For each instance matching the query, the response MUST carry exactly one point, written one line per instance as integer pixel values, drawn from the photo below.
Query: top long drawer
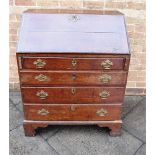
(66, 63)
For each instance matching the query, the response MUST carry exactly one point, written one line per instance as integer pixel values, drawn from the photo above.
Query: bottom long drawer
(72, 112)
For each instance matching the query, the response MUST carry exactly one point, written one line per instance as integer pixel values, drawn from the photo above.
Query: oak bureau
(73, 68)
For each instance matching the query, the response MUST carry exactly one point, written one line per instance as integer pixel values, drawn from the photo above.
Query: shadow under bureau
(73, 68)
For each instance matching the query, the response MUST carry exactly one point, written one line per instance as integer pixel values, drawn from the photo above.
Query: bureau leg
(29, 130)
(115, 129)
(30, 127)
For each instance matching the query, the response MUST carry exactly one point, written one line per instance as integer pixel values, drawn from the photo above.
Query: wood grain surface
(73, 78)
(76, 33)
(80, 112)
(65, 95)
(64, 63)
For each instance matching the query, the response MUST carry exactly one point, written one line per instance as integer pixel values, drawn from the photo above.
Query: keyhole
(73, 76)
(72, 108)
(73, 91)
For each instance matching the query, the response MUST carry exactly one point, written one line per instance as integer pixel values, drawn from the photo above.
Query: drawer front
(73, 95)
(73, 78)
(72, 112)
(61, 63)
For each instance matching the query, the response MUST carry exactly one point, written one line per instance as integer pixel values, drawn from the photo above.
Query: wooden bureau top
(55, 31)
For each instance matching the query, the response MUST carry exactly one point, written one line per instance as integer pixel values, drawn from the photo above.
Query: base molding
(30, 126)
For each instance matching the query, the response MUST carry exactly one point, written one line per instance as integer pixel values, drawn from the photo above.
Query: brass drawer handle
(102, 112)
(74, 18)
(42, 94)
(107, 64)
(39, 63)
(43, 112)
(73, 91)
(105, 78)
(74, 62)
(104, 94)
(41, 77)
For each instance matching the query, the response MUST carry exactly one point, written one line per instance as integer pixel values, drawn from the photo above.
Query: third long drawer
(73, 95)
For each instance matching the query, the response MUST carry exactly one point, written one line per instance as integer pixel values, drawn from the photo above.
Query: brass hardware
(73, 76)
(20, 61)
(41, 77)
(42, 94)
(73, 91)
(39, 63)
(74, 62)
(102, 112)
(126, 63)
(107, 64)
(43, 112)
(104, 94)
(105, 78)
(72, 108)
(74, 18)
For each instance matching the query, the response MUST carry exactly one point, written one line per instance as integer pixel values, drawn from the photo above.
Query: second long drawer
(73, 95)
(87, 78)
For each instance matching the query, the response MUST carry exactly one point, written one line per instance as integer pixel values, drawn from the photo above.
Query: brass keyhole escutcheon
(72, 107)
(39, 63)
(105, 78)
(104, 94)
(107, 64)
(42, 94)
(74, 62)
(43, 112)
(102, 112)
(73, 76)
(73, 91)
(41, 77)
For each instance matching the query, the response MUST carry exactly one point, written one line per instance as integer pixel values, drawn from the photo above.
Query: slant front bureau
(73, 68)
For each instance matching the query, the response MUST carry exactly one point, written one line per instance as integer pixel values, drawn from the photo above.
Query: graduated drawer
(89, 78)
(72, 112)
(73, 95)
(64, 63)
